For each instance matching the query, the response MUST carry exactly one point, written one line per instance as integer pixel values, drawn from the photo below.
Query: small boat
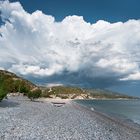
(58, 104)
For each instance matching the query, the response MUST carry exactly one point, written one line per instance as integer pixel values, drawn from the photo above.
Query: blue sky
(91, 10)
(87, 43)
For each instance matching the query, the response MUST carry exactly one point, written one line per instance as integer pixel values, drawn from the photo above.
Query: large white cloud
(36, 44)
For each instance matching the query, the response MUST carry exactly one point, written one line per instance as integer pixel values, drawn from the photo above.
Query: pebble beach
(21, 119)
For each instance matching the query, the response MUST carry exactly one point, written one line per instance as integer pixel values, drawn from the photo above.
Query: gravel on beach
(21, 119)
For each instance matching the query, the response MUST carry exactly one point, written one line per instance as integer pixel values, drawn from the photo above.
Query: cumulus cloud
(134, 76)
(35, 44)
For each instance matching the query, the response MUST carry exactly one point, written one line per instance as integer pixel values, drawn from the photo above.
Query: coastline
(22, 119)
(123, 121)
(127, 123)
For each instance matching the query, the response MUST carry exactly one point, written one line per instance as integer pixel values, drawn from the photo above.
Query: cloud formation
(35, 44)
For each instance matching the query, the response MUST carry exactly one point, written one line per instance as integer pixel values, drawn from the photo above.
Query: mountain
(99, 93)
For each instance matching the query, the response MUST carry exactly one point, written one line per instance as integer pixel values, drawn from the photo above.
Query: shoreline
(23, 119)
(127, 123)
(124, 122)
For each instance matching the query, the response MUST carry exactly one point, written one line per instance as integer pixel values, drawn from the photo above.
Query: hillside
(11, 83)
(79, 93)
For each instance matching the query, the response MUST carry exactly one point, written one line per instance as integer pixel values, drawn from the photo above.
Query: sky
(86, 43)
(91, 10)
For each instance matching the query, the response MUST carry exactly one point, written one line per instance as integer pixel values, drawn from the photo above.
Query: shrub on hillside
(34, 94)
(3, 94)
(45, 93)
(24, 89)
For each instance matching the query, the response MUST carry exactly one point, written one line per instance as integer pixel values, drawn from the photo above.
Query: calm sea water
(124, 109)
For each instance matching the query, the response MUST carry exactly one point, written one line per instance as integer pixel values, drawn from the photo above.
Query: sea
(128, 110)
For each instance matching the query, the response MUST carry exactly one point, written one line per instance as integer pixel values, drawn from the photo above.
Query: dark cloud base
(75, 79)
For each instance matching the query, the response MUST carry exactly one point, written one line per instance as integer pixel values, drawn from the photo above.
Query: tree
(24, 88)
(34, 94)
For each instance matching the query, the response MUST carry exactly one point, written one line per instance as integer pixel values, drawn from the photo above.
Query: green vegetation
(3, 94)
(10, 83)
(34, 94)
(66, 90)
(61, 92)
(45, 93)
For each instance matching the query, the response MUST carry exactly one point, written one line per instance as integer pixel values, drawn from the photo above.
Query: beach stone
(21, 119)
